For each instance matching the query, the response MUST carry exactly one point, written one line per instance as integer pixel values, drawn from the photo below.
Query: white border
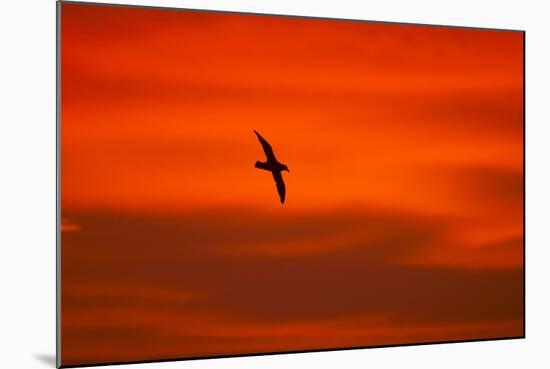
(27, 202)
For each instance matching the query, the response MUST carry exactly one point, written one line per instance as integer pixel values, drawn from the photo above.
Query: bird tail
(261, 165)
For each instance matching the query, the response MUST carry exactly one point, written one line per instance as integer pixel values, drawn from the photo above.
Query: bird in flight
(273, 166)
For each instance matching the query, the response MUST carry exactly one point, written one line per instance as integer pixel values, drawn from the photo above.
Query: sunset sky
(403, 221)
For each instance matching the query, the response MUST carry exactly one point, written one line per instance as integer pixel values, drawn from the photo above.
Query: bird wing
(266, 146)
(278, 177)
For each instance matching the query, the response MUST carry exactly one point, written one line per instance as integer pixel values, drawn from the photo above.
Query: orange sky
(404, 214)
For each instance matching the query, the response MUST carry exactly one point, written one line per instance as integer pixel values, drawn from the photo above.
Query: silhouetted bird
(273, 166)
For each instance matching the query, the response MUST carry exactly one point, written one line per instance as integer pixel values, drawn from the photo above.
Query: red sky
(404, 214)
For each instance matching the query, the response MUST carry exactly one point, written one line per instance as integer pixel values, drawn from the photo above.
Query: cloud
(68, 226)
(229, 280)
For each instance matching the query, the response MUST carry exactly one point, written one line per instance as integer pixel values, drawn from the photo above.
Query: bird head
(286, 168)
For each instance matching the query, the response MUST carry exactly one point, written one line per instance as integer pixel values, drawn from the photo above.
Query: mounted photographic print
(241, 184)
